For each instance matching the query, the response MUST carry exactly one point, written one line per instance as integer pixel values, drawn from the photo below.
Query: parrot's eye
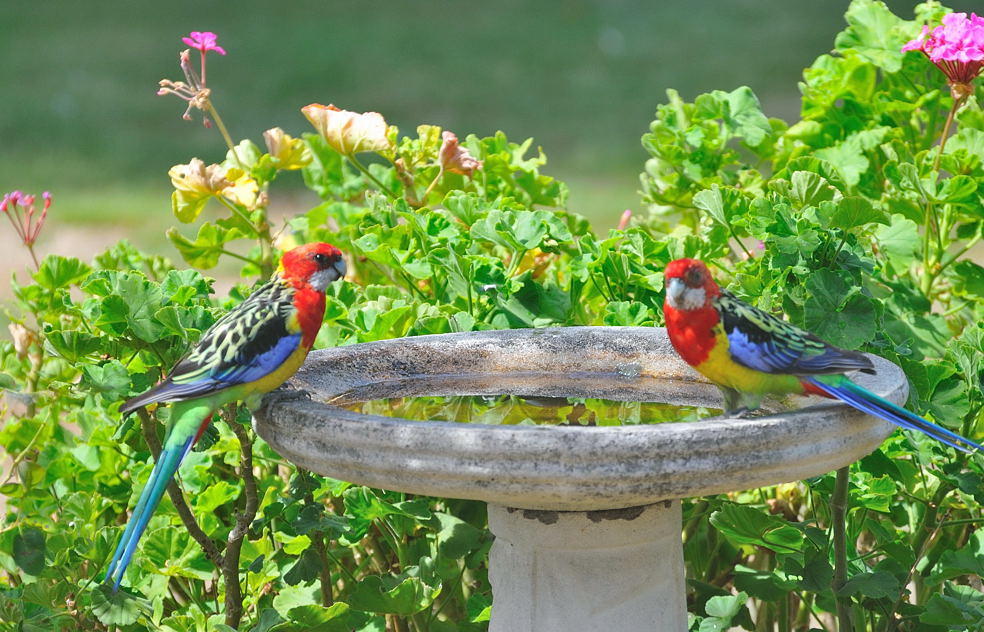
(322, 260)
(694, 277)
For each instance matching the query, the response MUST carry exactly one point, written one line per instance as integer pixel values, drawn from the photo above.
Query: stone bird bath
(586, 520)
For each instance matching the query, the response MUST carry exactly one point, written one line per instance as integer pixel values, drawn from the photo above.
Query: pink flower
(957, 49)
(194, 89)
(19, 209)
(203, 41)
(455, 158)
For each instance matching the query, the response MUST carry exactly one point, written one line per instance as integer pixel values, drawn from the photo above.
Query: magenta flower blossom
(194, 89)
(957, 49)
(203, 41)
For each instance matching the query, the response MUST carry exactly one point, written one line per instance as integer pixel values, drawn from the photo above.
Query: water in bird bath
(622, 398)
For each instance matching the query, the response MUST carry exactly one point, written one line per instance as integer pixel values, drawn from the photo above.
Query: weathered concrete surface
(619, 570)
(557, 468)
(588, 549)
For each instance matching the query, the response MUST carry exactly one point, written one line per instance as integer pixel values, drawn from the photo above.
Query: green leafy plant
(856, 221)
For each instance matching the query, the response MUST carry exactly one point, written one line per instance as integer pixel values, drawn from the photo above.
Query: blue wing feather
(262, 364)
(760, 341)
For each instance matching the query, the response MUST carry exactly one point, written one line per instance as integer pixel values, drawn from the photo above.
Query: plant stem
(241, 258)
(946, 132)
(230, 566)
(929, 220)
(23, 453)
(838, 518)
(379, 185)
(225, 133)
(430, 187)
(318, 543)
(34, 257)
(324, 573)
(923, 534)
(970, 244)
(734, 235)
(237, 211)
(263, 237)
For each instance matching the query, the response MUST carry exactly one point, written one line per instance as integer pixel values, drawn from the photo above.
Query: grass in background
(80, 116)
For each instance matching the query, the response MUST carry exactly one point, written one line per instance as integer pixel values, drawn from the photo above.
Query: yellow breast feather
(720, 367)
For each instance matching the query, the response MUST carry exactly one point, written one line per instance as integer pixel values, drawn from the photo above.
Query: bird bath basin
(586, 518)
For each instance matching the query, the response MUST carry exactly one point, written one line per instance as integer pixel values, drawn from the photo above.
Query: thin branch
(230, 566)
(177, 498)
(225, 133)
(318, 542)
(838, 517)
(379, 185)
(923, 534)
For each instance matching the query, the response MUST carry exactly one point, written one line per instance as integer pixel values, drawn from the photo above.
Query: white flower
(349, 133)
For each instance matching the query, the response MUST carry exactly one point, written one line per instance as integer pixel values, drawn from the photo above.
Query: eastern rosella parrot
(749, 353)
(248, 352)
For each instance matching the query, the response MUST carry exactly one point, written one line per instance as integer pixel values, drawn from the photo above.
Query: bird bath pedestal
(586, 519)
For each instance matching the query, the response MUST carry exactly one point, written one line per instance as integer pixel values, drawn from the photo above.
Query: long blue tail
(850, 393)
(164, 469)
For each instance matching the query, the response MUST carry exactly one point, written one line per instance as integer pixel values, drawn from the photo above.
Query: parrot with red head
(247, 353)
(749, 353)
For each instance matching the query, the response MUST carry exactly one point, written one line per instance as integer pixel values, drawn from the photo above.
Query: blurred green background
(80, 117)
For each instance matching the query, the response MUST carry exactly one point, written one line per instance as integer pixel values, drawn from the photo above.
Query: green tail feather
(187, 419)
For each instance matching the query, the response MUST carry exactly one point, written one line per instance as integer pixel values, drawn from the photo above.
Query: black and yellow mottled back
(244, 345)
(760, 341)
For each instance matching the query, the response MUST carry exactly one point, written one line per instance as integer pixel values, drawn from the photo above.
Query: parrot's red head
(689, 284)
(314, 265)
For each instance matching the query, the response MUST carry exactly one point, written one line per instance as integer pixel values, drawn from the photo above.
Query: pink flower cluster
(19, 208)
(956, 47)
(203, 41)
(194, 89)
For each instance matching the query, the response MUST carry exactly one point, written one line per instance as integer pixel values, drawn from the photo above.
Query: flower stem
(929, 221)
(379, 185)
(838, 518)
(34, 257)
(225, 133)
(263, 236)
(946, 132)
(430, 187)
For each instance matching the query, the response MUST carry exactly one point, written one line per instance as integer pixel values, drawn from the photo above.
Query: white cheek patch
(694, 298)
(691, 298)
(322, 278)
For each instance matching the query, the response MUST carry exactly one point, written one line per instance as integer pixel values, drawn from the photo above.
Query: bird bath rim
(567, 468)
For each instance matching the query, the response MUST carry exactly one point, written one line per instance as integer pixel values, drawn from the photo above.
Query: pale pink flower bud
(455, 158)
(348, 133)
(624, 221)
(22, 337)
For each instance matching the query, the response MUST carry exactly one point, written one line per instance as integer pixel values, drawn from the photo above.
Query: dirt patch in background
(70, 241)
